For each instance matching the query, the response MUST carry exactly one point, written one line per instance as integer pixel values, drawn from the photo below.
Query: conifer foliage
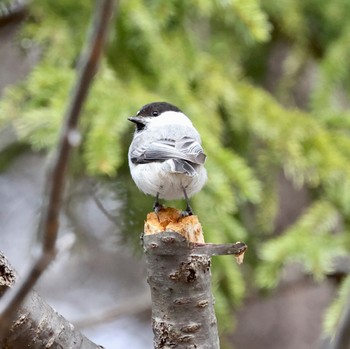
(211, 58)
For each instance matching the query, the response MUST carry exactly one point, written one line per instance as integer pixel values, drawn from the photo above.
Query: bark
(36, 324)
(179, 276)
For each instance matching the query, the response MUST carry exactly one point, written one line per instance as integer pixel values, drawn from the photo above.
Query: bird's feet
(157, 207)
(187, 212)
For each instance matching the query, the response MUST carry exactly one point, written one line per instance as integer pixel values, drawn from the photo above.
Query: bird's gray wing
(185, 154)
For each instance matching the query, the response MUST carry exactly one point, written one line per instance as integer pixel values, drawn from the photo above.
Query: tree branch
(341, 339)
(183, 313)
(198, 248)
(170, 242)
(131, 306)
(102, 208)
(179, 276)
(55, 180)
(36, 325)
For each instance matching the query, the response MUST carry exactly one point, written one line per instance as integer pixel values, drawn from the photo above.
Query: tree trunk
(178, 268)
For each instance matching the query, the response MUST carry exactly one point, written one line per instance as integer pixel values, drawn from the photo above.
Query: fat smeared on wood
(178, 267)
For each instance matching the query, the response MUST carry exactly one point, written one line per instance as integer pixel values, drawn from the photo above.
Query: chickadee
(166, 159)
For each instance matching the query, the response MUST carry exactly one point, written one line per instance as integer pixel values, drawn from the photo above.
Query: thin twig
(235, 249)
(172, 243)
(103, 209)
(132, 306)
(342, 335)
(55, 180)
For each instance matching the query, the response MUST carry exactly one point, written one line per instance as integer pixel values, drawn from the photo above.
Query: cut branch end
(171, 220)
(178, 268)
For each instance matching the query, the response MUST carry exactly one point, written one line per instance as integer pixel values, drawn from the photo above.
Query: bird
(165, 156)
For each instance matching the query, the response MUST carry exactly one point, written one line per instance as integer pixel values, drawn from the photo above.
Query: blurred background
(267, 85)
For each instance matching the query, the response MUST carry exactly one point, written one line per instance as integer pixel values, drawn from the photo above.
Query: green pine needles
(211, 58)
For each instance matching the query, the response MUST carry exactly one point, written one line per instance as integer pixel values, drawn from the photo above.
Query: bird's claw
(157, 207)
(187, 212)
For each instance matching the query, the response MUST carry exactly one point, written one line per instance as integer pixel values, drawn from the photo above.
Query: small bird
(166, 158)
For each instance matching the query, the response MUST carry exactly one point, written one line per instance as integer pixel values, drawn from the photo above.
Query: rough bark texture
(37, 325)
(178, 267)
(182, 303)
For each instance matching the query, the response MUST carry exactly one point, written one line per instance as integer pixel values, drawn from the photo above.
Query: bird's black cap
(156, 108)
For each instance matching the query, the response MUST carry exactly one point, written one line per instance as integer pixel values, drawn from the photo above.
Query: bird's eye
(155, 113)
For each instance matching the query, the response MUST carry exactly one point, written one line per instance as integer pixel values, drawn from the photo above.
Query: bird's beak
(140, 122)
(137, 120)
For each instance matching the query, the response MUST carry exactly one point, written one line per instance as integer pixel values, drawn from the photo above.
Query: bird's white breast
(153, 178)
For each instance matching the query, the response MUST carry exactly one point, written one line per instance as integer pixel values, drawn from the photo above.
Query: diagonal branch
(55, 180)
(341, 339)
(36, 322)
